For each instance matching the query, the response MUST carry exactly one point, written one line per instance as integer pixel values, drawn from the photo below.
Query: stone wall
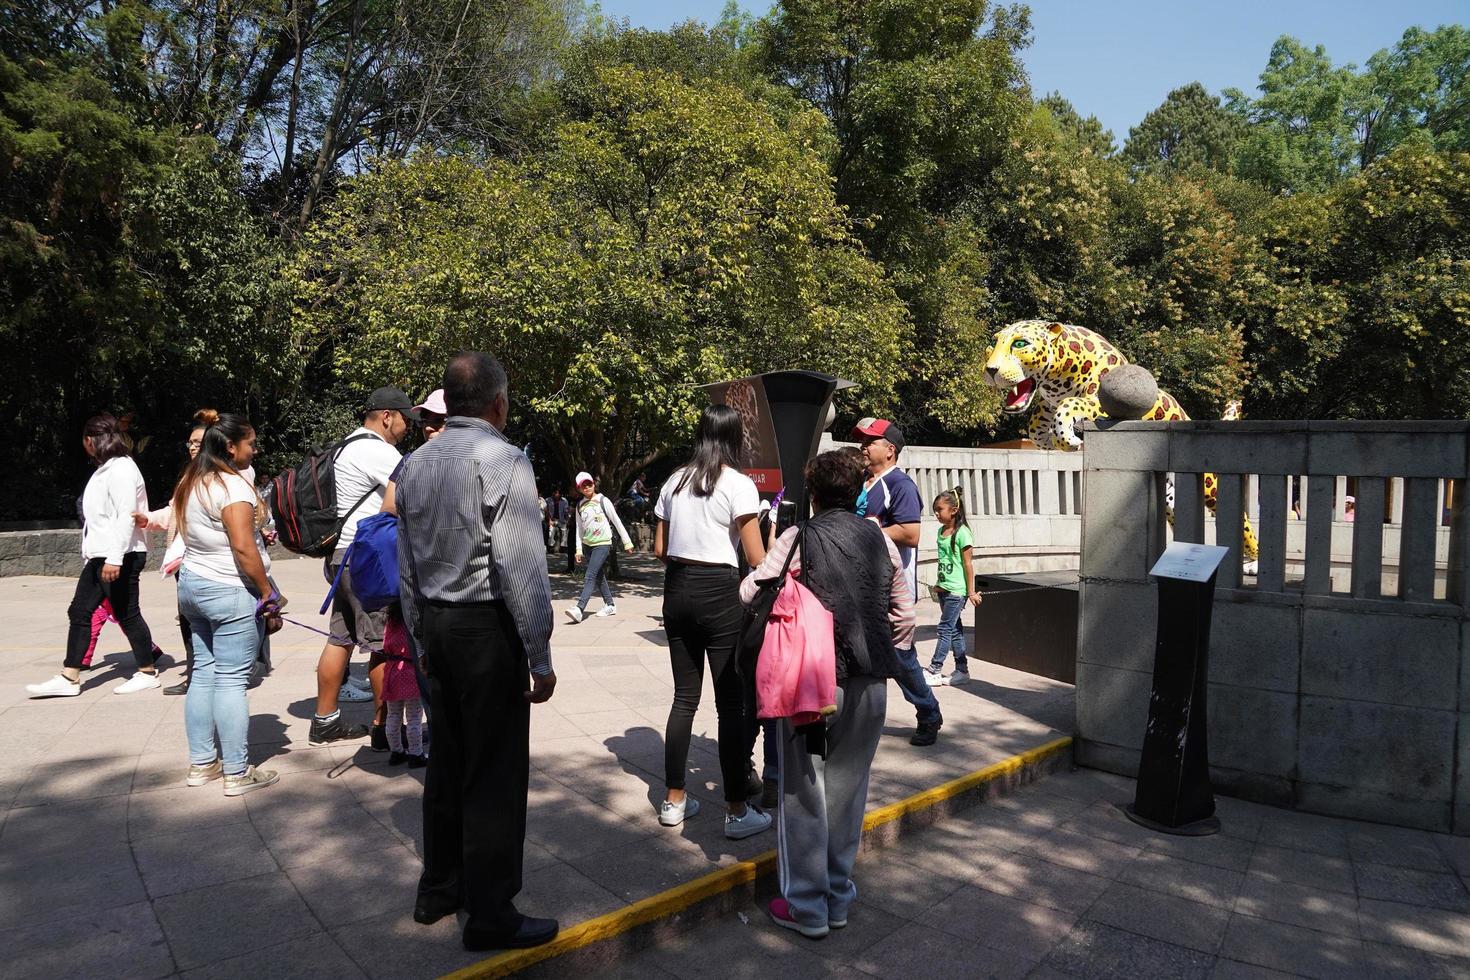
(59, 552)
(1339, 696)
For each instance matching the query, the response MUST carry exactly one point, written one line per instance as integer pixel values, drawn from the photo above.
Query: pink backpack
(796, 675)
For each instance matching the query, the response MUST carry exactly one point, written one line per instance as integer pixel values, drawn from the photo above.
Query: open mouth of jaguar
(1018, 399)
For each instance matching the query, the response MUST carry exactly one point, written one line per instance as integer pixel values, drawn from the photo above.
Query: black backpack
(304, 502)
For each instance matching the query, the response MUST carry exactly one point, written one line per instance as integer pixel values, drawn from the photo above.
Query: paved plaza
(110, 866)
(1053, 880)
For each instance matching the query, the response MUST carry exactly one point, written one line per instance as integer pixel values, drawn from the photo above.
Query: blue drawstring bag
(373, 560)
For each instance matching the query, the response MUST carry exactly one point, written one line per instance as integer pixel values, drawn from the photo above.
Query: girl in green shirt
(955, 588)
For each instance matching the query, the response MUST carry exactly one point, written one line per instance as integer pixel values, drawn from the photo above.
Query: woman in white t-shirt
(226, 594)
(705, 511)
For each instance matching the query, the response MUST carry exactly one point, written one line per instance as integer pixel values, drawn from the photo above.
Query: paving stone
(1399, 846)
(1216, 850)
(1016, 927)
(1108, 821)
(1387, 961)
(264, 906)
(1433, 930)
(1201, 883)
(1311, 908)
(375, 882)
(392, 946)
(1043, 883)
(313, 958)
(1094, 855)
(1305, 832)
(1236, 970)
(1318, 871)
(1412, 887)
(1158, 916)
(1096, 950)
(919, 952)
(890, 883)
(1291, 949)
(112, 941)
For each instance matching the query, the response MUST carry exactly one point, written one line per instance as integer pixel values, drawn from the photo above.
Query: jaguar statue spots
(1053, 371)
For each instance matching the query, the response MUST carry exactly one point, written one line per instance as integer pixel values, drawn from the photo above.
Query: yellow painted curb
(681, 897)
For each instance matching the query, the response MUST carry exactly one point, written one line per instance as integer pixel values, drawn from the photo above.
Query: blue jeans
(951, 632)
(916, 690)
(226, 637)
(597, 557)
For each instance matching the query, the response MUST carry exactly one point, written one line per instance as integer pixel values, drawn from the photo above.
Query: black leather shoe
(926, 734)
(531, 932)
(379, 738)
(427, 915)
(182, 687)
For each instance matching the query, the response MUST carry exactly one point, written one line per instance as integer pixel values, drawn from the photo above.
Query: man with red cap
(893, 501)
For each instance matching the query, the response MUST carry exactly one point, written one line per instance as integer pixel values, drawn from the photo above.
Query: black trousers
(479, 771)
(123, 594)
(702, 616)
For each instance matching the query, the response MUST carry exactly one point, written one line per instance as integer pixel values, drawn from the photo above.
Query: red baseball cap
(871, 428)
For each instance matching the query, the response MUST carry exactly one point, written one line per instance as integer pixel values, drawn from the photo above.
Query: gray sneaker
(748, 824)
(673, 814)
(199, 775)
(251, 779)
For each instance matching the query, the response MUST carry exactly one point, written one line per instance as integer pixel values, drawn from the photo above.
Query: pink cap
(434, 403)
(584, 477)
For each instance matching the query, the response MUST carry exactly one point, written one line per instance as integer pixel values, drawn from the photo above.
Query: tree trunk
(326, 152)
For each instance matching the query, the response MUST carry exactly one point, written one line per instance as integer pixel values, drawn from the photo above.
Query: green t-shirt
(951, 560)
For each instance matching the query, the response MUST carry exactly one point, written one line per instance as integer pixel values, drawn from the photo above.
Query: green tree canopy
(676, 235)
(1191, 129)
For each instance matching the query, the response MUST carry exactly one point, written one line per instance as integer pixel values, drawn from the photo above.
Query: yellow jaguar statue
(1054, 370)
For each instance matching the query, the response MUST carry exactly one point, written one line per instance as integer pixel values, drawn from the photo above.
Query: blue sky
(1117, 60)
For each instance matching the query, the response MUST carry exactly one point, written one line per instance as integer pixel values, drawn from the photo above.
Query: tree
(1190, 129)
(1087, 133)
(131, 277)
(1418, 90)
(1301, 127)
(675, 235)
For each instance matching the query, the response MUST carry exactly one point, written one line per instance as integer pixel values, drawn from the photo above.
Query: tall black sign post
(782, 414)
(1173, 794)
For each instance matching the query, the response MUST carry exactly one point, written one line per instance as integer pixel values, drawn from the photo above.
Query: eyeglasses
(194, 443)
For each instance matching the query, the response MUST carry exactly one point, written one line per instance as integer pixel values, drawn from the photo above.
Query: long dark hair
(214, 460)
(716, 445)
(109, 437)
(956, 499)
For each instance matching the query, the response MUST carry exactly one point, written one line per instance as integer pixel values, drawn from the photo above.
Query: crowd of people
(467, 644)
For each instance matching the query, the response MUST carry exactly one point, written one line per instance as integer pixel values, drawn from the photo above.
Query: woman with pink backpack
(854, 570)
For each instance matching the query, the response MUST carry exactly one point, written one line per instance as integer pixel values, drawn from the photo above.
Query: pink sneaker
(780, 911)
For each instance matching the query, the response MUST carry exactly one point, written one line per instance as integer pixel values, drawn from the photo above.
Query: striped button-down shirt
(469, 530)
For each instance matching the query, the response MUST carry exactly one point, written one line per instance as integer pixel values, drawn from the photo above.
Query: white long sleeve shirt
(112, 496)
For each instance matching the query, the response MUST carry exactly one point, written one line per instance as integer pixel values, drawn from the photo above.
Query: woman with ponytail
(227, 597)
(955, 588)
(115, 552)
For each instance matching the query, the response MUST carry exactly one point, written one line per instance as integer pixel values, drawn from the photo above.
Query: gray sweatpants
(820, 824)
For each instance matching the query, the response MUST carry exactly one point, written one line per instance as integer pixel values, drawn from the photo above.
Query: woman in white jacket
(115, 551)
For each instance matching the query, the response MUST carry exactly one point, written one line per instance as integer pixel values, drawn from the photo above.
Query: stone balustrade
(1335, 671)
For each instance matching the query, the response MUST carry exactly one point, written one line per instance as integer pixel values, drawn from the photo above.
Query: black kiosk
(1174, 795)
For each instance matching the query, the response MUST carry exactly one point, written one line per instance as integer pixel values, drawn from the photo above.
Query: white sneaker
(141, 681)
(934, 678)
(608, 610)
(673, 814)
(56, 687)
(959, 678)
(575, 614)
(351, 692)
(748, 824)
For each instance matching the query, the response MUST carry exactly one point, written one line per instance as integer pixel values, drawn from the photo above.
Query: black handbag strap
(780, 579)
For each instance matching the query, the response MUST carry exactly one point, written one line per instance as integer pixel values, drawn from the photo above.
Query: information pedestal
(1174, 795)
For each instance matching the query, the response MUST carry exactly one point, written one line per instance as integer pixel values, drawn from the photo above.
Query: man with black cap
(893, 501)
(362, 470)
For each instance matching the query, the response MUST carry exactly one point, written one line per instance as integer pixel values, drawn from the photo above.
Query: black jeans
(122, 592)
(702, 616)
(479, 771)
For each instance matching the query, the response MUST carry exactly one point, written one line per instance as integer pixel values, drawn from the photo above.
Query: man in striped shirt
(475, 593)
